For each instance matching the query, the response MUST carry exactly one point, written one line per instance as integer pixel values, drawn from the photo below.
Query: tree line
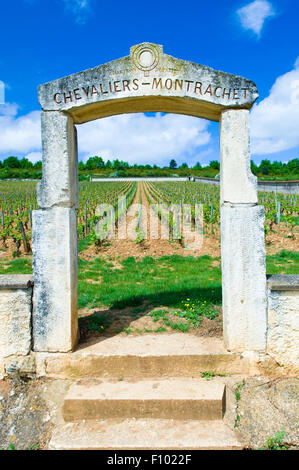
(13, 167)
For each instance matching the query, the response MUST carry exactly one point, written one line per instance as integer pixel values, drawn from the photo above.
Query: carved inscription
(189, 87)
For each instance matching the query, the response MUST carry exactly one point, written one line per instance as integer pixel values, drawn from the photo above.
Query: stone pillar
(54, 238)
(242, 240)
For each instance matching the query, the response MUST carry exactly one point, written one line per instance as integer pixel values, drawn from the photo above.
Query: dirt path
(133, 245)
(121, 249)
(278, 239)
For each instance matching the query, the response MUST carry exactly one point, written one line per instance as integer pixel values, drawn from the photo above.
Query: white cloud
(79, 8)
(253, 15)
(19, 134)
(34, 156)
(138, 138)
(275, 120)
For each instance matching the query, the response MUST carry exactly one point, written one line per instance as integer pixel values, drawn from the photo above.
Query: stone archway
(147, 81)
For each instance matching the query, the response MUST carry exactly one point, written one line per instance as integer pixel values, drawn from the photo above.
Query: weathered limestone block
(25, 365)
(15, 315)
(244, 297)
(55, 252)
(59, 185)
(238, 184)
(283, 320)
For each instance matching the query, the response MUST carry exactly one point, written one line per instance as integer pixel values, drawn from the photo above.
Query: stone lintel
(15, 281)
(159, 81)
(283, 282)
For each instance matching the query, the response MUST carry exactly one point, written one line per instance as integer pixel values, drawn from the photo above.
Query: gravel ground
(267, 407)
(257, 409)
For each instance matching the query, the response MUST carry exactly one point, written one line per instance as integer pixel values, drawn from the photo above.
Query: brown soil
(280, 238)
(9, 250)
(136, 322)
(122, 249)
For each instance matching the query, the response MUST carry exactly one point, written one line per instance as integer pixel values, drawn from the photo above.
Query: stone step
(174, 398)
(150, 355)
(144, 434)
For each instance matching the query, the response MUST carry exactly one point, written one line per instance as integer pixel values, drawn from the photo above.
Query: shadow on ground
(160, 312)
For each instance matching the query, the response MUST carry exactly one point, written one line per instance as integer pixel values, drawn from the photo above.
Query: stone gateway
(147, 81)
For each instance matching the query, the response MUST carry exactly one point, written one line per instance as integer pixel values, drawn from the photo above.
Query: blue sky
(46, 39)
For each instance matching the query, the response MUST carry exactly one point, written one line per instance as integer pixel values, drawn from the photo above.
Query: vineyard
(18, 200)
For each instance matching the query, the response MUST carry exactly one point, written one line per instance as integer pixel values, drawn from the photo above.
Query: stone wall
(15, 318)
(150, 178)
(16, 293)
(285, 187)
(283, 319)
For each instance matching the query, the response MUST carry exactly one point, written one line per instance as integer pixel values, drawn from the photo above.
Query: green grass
(85, 243)
(193, 310)
(238, 390)
(276, 442)
(95, 322)
(162, 314)
(284, 262)
(208, 375)
(296, 219)
(164, 281)
(16, 266)
(140, 309)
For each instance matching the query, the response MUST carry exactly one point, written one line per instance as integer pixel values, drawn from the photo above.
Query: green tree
(214, 164)
(293, 166)
(25, 163)
(11, 162)
(173, 164)
(94, 163)
(119, 165)
(184, 166)
(277, 167)
(38, 165)
(254, 167)
(265, 167)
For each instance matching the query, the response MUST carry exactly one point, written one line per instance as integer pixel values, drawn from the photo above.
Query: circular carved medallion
(146, 57)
